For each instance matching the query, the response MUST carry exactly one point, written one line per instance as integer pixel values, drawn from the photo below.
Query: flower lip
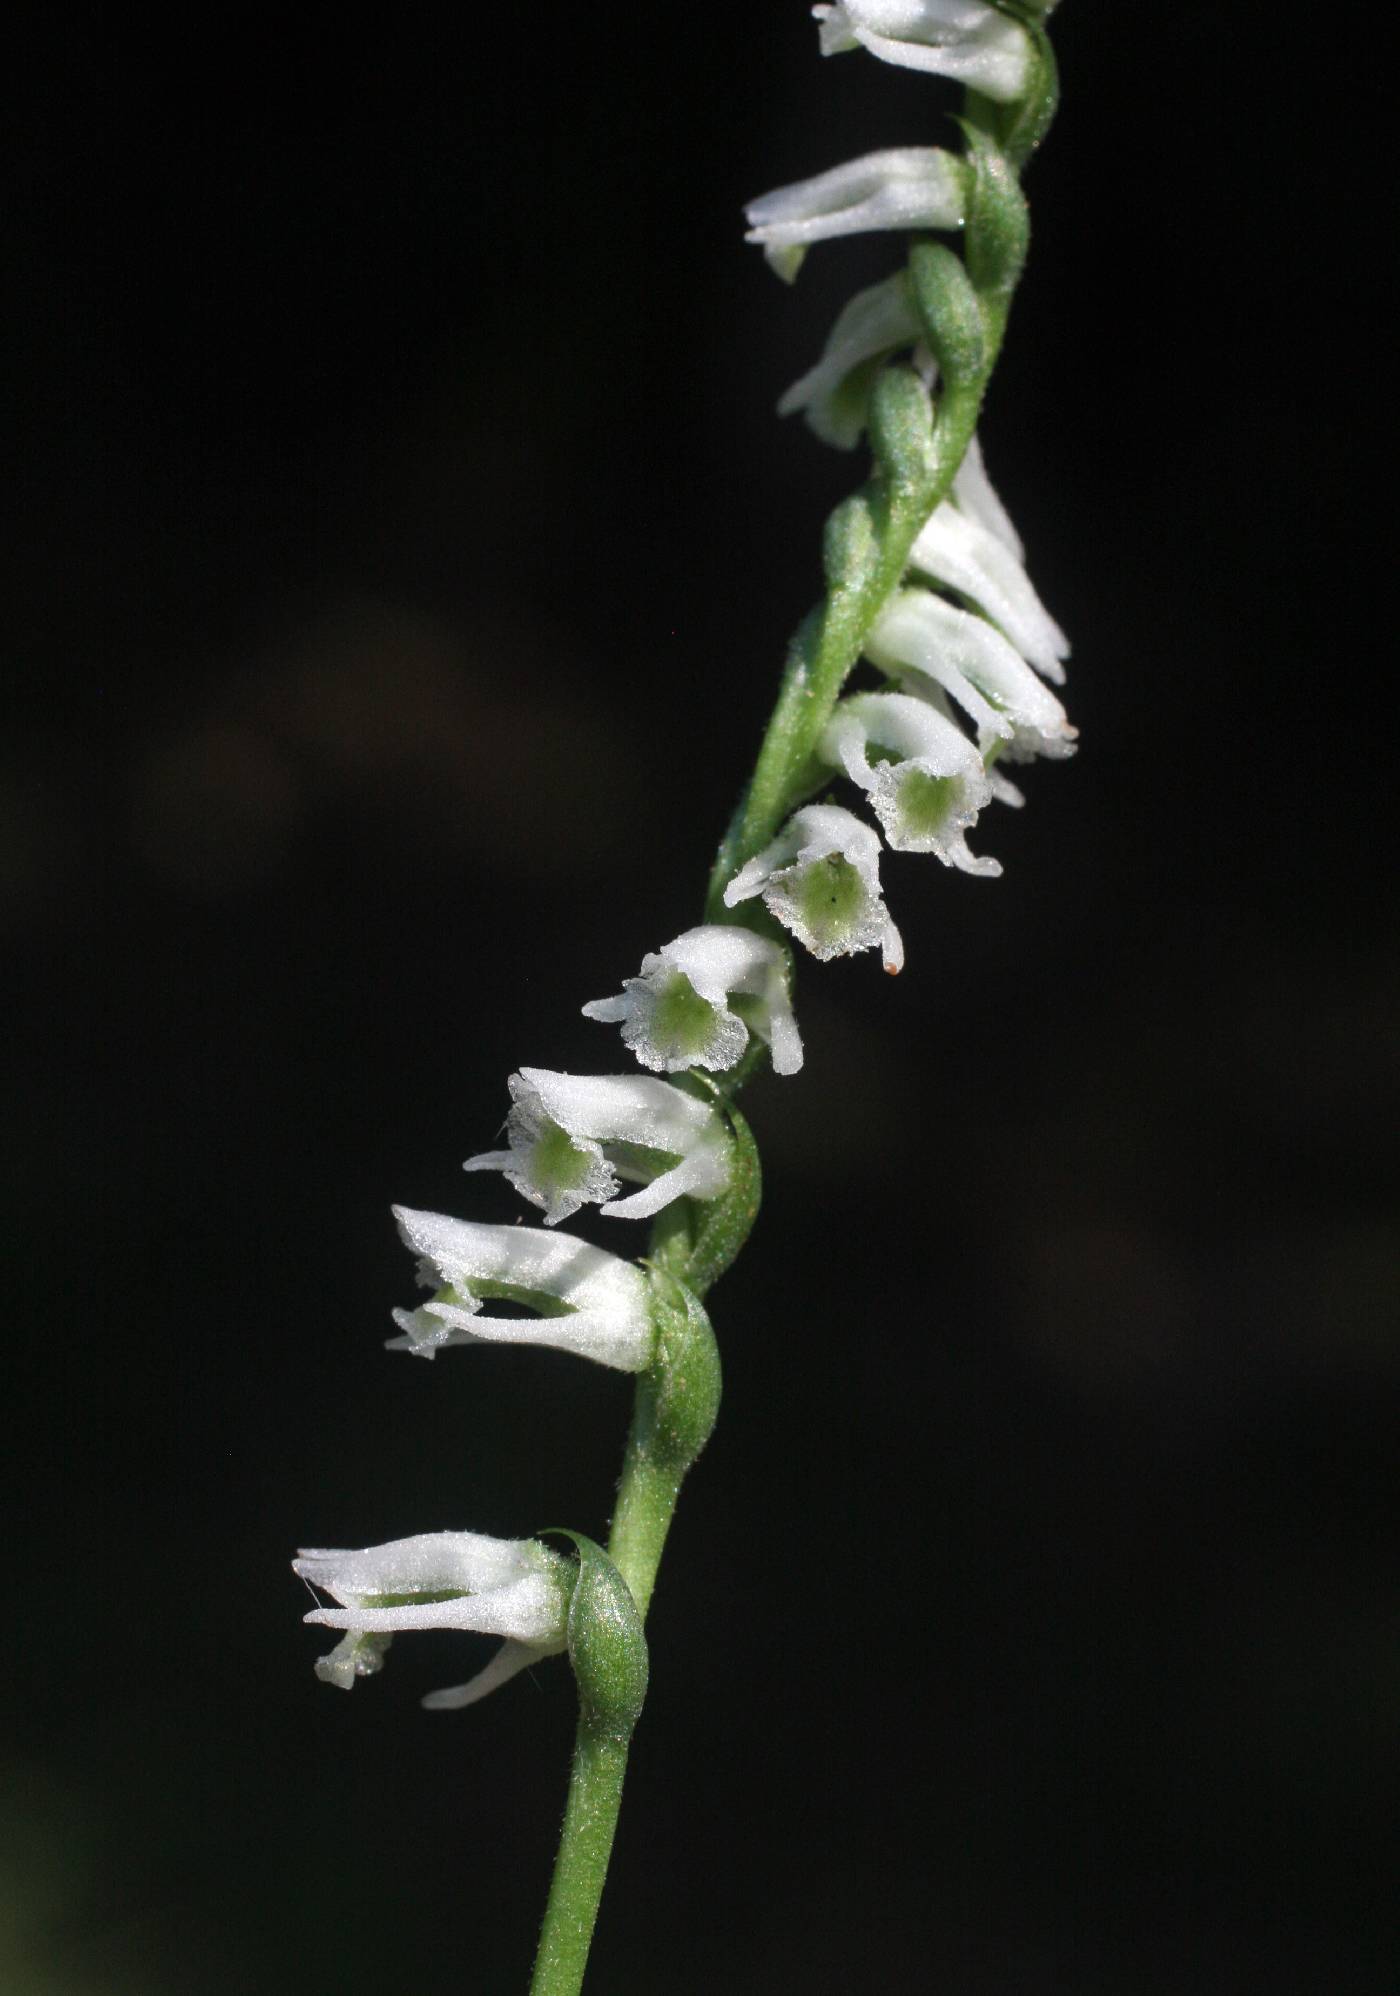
(591, 1303)
(820, 877)
(677, 1014)
(904, 187)
(571, 1137)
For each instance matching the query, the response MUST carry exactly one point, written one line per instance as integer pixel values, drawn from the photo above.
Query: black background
(405, 556)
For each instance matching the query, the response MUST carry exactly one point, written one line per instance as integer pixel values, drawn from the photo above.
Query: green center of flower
(557, 1164)
(682, 1022)
(925, 803)
(830, 897)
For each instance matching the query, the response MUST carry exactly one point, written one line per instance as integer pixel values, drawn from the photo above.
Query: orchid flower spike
(677, 1014)
(965, 39)
(908, 187)
(929, 783)
(588, 1301)
(571, 1137)
(931, 647)
(833, 394)
(977, 560)
(514, 1588)
(821, 878)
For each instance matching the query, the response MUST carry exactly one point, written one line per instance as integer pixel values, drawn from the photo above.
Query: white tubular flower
(964, 39)
(677, 1014)
(909, 187)
(514, 1588)
(926, 642)
(572, 1136)
(833, 394)
(589, 1302)
(821, 878)
(957, 550)
(929, 790)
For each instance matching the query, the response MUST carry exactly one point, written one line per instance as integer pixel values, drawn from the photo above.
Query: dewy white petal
(676, 1014)
(975, 495)
(964, 555)
(964, 39)
(928, 642)
(820, 877)
(872, 325)
(907, 187)
(591, 1302)
(929, 795)
(573, 1135)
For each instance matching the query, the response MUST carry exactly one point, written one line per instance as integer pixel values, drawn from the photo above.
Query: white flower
(909, 187)
(964, 39)
(514, 1588)
(929, 785)
(833, 394)
(572, 1136)
(589, 1302)
(926, 642)
(821, 878)
(676, 1014)
(956, 549)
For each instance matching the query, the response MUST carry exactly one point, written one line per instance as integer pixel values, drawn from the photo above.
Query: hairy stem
(585, 1845)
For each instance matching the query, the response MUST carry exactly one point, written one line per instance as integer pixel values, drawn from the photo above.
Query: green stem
(585, 1845)
(646, 1503)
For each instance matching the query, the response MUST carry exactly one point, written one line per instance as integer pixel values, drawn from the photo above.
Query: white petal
(427, 1563)
(531, 1610)
(963, 555)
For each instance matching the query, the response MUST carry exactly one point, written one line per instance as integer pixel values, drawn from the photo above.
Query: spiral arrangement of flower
(927, 585)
